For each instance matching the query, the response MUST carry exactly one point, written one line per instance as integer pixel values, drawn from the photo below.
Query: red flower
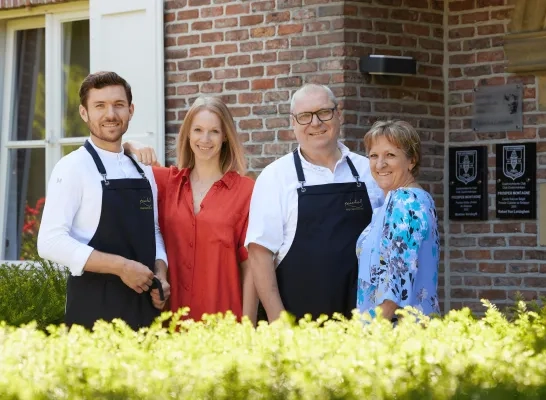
(31, 211)
(40, 203)
(29, 226)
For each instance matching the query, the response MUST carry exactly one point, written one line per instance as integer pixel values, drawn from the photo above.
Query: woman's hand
(144, 154)
(388, 307)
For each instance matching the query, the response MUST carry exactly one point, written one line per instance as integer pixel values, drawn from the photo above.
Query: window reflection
(29, 104)
(26, 197)
(75, 68)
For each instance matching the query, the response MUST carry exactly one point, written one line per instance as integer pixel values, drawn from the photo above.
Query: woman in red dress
(203, 206)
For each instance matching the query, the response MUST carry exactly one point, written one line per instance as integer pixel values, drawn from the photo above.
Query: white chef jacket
(73, 206)
(274, 205)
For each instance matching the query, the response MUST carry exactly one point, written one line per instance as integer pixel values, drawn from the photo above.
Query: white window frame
(51, 18)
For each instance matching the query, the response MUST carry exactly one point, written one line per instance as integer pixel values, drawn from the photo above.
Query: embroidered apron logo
(355, 205)
(146, 203)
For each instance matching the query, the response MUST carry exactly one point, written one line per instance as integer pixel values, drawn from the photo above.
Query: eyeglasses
(324, 114)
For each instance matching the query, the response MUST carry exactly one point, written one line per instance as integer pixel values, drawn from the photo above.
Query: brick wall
(495, 258)
(255, 54)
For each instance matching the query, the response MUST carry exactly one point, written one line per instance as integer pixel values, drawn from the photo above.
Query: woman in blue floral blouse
(399, 251)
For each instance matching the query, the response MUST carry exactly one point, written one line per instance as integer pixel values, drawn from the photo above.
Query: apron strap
(140, 171)
(299, 169)
(301, 176)
(96, 159)
(353, 171)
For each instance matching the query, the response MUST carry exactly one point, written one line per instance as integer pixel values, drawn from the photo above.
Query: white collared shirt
(274, 206)
(74, 203)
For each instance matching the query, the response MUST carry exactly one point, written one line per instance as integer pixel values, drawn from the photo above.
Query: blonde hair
(232, 155)
(399, 133)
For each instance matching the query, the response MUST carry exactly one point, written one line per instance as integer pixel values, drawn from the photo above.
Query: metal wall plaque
(498, 108)
(516, 180)
(468, 183)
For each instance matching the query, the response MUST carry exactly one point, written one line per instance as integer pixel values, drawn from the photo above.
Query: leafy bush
(457, 357)
(35, 291)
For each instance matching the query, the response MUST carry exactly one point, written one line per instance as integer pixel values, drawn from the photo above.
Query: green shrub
(456, 357)
(35, 291)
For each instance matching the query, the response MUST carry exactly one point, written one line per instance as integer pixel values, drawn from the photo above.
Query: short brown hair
(232, 155)
(402, 135)
(99, 80)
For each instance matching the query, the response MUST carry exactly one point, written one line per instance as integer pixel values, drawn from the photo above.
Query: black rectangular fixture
(376, 64)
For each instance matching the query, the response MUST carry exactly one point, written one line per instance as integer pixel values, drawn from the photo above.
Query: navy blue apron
(319, 273)
(126, 228)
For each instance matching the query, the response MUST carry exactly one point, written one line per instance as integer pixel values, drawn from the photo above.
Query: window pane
(29, 104)
(75, 69)
(70, 148)
(26, 196)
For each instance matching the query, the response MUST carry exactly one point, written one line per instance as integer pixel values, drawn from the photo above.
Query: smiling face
(390, 166)
(317, 136)
(206, 136)
(107, 115)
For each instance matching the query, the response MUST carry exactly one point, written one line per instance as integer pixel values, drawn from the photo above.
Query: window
(43, 60)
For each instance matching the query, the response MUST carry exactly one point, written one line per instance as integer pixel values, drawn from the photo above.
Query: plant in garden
(454, 357)
(35, 291)
(29, 236)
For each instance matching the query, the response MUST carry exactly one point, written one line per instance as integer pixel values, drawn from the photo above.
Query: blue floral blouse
(399, 252)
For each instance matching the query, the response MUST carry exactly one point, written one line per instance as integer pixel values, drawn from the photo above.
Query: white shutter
(127, 37)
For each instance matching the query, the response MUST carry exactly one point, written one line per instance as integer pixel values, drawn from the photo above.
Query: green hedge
(34, 291)
(456, 357)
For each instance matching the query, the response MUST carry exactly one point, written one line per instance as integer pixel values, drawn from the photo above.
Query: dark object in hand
(156, 284)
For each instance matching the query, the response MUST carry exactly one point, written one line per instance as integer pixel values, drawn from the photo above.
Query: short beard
(105, 138)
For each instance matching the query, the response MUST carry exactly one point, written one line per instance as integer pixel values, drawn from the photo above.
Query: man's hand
(136, 275)
(156, 300)
(144, 154)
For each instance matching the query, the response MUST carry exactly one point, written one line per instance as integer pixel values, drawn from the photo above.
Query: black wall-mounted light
(376, 64)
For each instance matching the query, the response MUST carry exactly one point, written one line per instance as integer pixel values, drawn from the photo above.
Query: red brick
(492, 294)
(475, 17)
(176, 28)
(237, 85)
(277, 122)
(286, 135)
(187, 89)
(276, 17)
(200, 51)
(212, 37)
(538, 282)
(477, 281)
(508, 254)
(251, 124)
(478, 254)
(535, 255)
(276, 148)
(251, 20)
(319, 26)
(187, 39)
(207, 12)
(263, 5)
(264, 110)
(190, 14)
(264, 136)
(211, 88)
(252, 71)
(507, 228)
(419, 30)
(262, 32)
(201, 25)
(261, 162)
(238, 60)
(464, 5)
(225, 74)
(236, 9)
(189, 65)
(251, 46)
(225, 23)
(293, 81)
(237, 35)
(276, 96)
(214, 62)
(264, 58)
(276, 44)
(250, 98)
(318, 53)
(492, 268)
(490, 29)
(305, 13)
(254, 149)
(506, 281)
(225, 48)
(280, 69)
(198, 3)
(337, 37)
(460, 293)
(462, 266)
(401, 13)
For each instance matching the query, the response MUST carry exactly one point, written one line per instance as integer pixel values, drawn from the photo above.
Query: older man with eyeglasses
(307, 210)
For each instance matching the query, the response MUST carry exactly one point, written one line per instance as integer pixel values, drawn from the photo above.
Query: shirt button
(186, 286)
(191, 244)
(188, 266)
